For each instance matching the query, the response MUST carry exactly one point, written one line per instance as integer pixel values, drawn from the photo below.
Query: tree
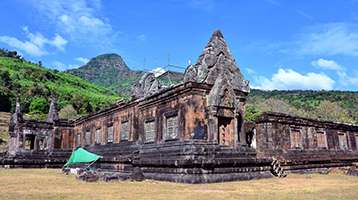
(331, 111)
(39, 105)
(278, 105)
(251, 113)
(81, 104)
(5, 80)
(68, 112)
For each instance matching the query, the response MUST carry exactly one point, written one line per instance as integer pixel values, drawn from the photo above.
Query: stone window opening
(356, 136)
(110, 134)
(296, 139)
(58, 139)
(199, 131)
(88, 137)
(239, 121)
(41, 144)
(225, 132)
(78, 140)
(98, 136)
(321, 139)
(124, 131)
(149, 131)
(251, 138)
(171, 128)
(342, 139)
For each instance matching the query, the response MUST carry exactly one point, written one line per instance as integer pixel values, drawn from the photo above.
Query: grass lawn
(52, 184)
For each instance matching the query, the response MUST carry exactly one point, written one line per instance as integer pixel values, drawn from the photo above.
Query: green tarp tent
(80, 155)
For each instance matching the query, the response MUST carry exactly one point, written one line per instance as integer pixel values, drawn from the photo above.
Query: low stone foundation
(178, 161)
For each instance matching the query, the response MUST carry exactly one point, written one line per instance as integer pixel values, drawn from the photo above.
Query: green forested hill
(34, 84)
(341, 106)
(110, 71)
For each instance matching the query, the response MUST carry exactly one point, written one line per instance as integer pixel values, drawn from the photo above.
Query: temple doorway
(225, 125)
(29, 142)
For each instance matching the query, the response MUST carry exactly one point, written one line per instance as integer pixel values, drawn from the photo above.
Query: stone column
(213, 125)
(51, 140)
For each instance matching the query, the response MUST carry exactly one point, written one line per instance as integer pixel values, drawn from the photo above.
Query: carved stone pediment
(222, 94)
(53, 112)
(147, 85)
(216, 60)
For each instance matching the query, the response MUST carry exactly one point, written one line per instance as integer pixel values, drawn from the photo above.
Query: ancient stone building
(193, 132)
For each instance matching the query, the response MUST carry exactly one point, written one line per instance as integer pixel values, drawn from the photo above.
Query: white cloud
(158, 71)
(58, 42)
(79, 19)
(36, 44)
(26, 46)
(329, 39)
(142, 37)
(250, 71)
(62, 66)
(304, 14)
(72, 66)
(351, 79)
(58, 65)
(82, 60)
(38, 39)
(344, 78)
(288, 79)
(327, 64)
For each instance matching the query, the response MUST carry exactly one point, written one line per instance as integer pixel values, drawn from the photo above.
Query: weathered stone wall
(305, 143)
(187, 102)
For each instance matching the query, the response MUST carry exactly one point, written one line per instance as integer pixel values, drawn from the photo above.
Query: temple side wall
(189, 110)
(306, 144)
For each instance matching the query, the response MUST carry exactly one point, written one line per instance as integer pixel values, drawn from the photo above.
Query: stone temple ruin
(193, 132)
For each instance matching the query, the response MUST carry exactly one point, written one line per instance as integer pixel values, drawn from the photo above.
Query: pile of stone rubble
(353, 171)
(99, 175)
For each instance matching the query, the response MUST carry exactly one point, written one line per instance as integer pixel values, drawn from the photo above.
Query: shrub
(39, 105)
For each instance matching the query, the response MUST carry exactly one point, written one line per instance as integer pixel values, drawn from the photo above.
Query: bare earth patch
(52, 184)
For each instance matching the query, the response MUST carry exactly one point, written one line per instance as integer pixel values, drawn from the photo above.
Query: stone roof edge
(296, 120)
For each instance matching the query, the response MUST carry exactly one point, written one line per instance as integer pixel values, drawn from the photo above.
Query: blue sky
(292, 44)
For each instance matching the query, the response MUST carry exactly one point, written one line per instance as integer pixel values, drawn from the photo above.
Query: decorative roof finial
(16, 117)
(217, 33)
(17, 105)
(215, 60)
(53, 112)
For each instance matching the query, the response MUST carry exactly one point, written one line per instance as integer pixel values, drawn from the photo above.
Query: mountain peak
(106, 61)
(108, 70)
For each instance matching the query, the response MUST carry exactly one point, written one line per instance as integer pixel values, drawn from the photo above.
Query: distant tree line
(10, 54)
(339, 106)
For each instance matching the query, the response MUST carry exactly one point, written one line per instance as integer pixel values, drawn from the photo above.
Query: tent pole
(91, 164)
